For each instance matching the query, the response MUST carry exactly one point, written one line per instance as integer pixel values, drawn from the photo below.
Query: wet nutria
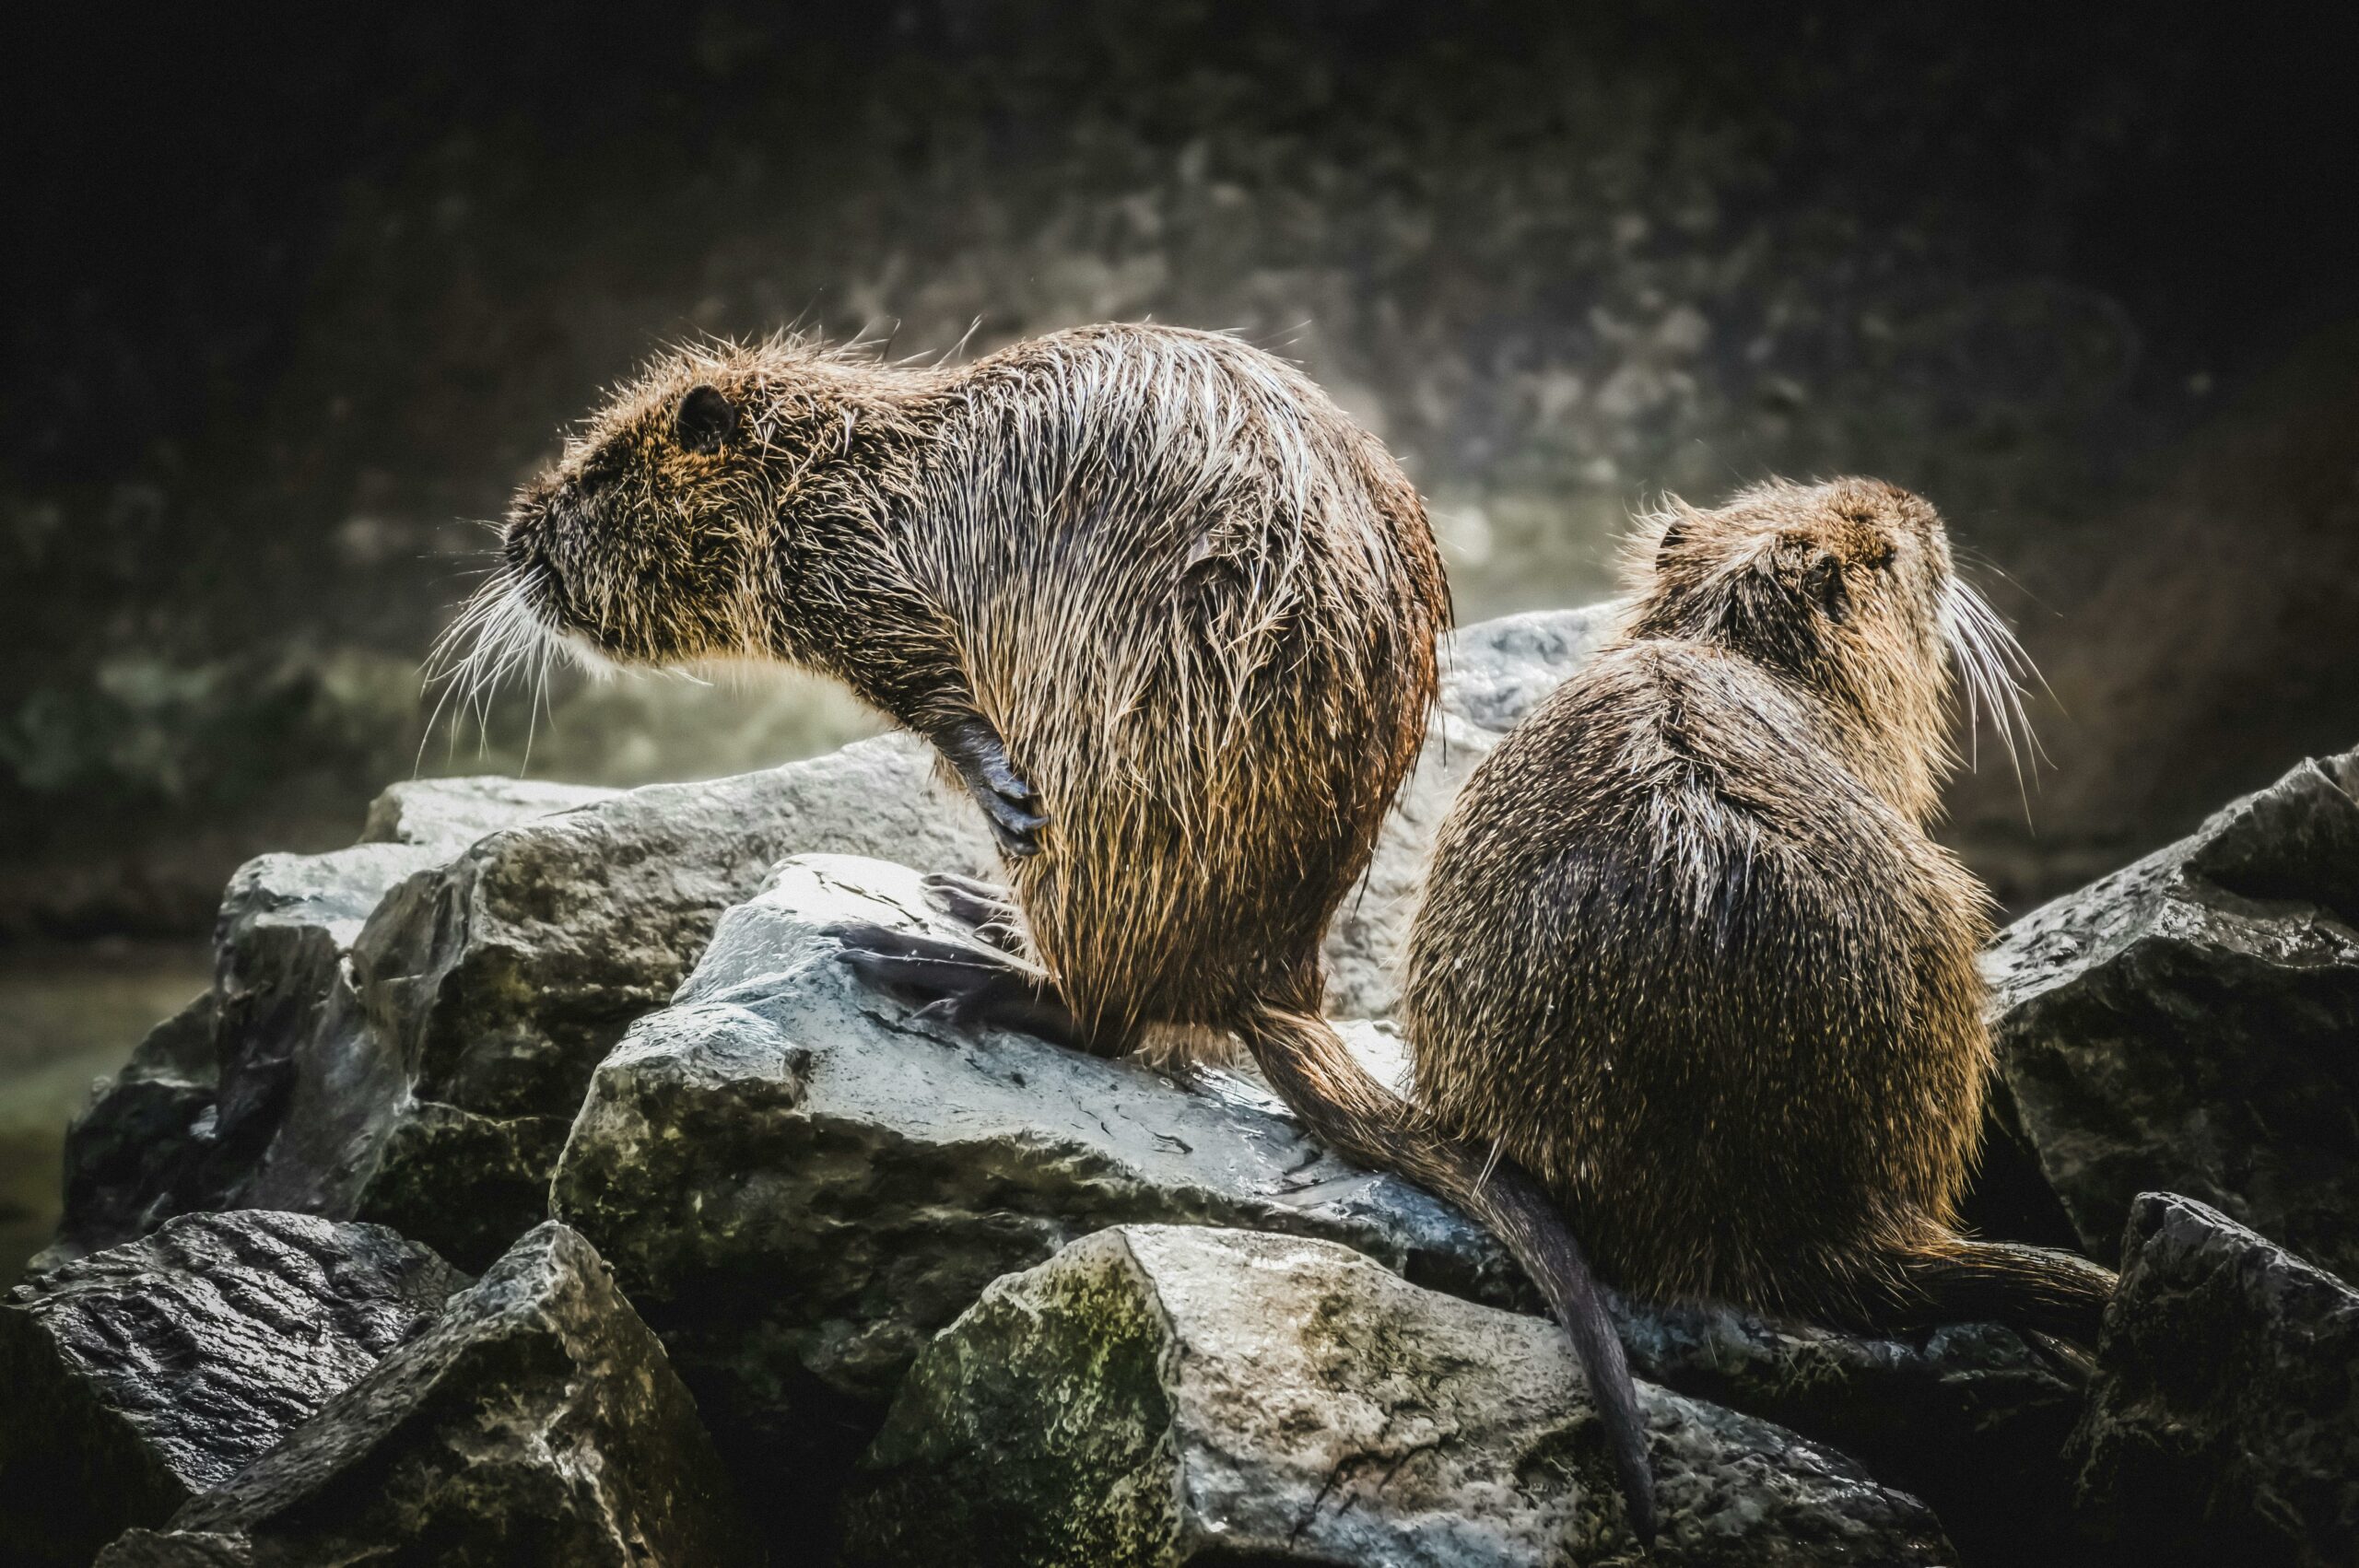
(1164, 609)
(1688, 954)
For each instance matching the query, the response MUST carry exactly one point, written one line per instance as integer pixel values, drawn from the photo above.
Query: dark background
(293, 301)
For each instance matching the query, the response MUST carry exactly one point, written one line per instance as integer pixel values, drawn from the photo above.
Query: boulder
(2222, 1425)
(2186, 1023)
(271, 1090)
(799, 1181)
(502, 976)
(1167, 1394)
(138, 1377)
(535, 1423)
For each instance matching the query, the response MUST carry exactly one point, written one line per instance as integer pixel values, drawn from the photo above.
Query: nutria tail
(1346, 1109)
(2035, 1288)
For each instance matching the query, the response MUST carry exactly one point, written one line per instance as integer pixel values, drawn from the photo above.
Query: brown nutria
(1164, 610)
(1688, 954)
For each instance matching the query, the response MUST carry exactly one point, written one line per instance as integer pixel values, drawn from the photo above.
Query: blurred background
(293, 302)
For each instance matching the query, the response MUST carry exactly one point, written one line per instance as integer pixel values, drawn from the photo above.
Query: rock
(2187, 1023)
(1166, 1395)
(2223, 1422)
(535, 1422)
(271, 1090)
(800, 1182)
(141, 1375)
(502, 977)
(1966, 1416)
(149, 1548)
(1492, 673)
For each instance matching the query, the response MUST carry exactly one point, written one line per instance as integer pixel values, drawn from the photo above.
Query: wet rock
(2186, 1023)
(501, 976)
(2223, 1422)
(142, 1375)
(1167, 1394)
(271, 1090)
(176, 1549)
(1966, 1416)
(799, 1182)
(1492, 673)
(535, 1423)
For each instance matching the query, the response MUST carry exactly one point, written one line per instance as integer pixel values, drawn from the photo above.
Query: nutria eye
(705, 419)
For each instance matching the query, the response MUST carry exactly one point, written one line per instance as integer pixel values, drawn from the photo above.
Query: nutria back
(1687, 951)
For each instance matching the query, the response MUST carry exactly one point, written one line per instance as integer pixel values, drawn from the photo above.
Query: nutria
(1167, 613)
(1689, 954)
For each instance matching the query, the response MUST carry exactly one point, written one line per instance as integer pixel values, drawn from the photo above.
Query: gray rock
(1167, 1394)
(2223, 1422)
(537, 1423)
(176, 1549)
(1966, 1416)
(2187, 1023)
(272, 1090)
(141, 1375)
(500, 977)
(800, 1182)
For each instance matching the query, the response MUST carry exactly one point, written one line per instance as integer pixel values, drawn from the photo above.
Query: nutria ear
(1823, 583)
(705, 419)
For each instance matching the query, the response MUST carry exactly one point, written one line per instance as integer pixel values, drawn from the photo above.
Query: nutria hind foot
(962, 984)
(985, 908)
(2034, 1289)
(974, 749)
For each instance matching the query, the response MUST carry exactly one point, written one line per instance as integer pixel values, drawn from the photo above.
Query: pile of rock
(775, 1268)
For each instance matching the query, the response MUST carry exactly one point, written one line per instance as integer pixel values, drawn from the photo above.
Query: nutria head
(1847, 589)
(664, 534)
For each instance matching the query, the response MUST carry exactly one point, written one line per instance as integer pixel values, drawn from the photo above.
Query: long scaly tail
(1348, 1110)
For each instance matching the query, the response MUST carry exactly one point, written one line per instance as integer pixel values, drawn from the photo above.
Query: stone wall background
(293, 304)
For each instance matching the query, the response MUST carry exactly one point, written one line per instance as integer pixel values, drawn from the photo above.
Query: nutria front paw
(1010, 803)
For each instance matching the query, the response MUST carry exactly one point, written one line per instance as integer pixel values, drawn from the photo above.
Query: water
(68, 1017)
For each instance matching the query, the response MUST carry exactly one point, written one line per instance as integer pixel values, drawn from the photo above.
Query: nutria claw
(1011, 804)
(979, 905)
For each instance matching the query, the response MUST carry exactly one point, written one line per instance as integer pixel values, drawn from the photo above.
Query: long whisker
(1992, 667)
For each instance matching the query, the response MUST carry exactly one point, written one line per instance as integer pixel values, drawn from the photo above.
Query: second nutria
(1689, 954)
(1167, 612)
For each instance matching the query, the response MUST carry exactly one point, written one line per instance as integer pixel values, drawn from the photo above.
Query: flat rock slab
(1164, 1394)
(537, 1425)
(2223, 1423)
(134, 1378)
(2187, 1023)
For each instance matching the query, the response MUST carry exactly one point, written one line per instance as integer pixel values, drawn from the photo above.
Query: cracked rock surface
(2223, 1423)
(1168, 1395)
(141, 1375)
(537, 1425)
(272, 1090)
(2187, 1023)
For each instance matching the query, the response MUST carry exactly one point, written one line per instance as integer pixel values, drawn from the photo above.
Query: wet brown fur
(1690, 955)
